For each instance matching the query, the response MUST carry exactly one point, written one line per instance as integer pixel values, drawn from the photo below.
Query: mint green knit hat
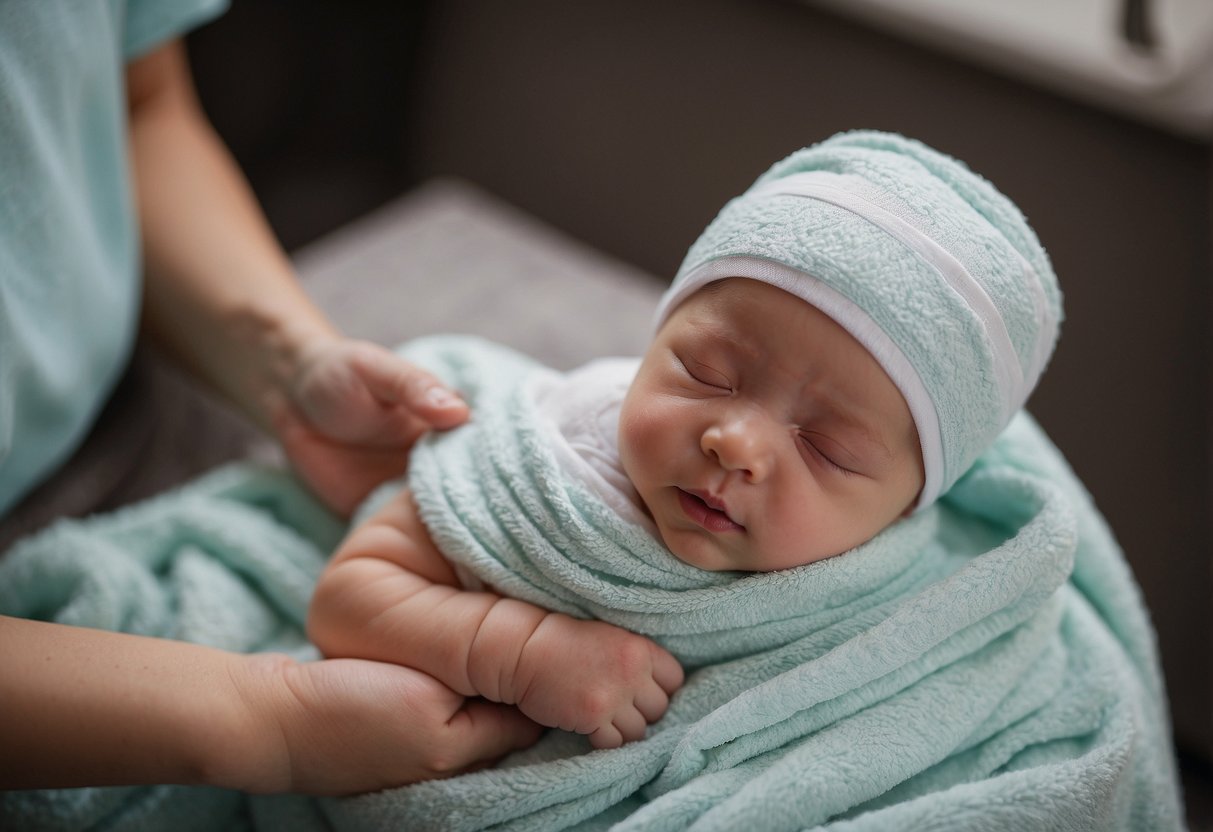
(923, 261)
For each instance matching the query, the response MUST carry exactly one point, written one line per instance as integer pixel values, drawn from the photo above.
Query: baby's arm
(390, 595)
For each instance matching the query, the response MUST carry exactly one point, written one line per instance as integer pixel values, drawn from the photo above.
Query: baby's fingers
(667, 672)
(608, 736)
(630, 724)
(653, 698)
(651, 702)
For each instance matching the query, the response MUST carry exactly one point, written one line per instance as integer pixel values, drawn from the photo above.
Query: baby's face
(761, 435)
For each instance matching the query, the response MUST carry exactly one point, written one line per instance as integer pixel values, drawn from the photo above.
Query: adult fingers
(484, 731)
(392, 379)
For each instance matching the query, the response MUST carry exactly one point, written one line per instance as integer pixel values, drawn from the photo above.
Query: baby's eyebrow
(738, 345)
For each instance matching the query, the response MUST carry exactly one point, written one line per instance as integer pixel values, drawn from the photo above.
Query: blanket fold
(983, 664)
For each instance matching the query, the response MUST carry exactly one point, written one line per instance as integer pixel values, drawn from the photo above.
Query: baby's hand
(594, 678)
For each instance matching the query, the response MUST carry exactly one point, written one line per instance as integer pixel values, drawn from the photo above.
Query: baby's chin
(717, 561)
(704, 558)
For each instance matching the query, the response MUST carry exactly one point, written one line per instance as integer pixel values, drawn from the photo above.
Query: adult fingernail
(440, 397)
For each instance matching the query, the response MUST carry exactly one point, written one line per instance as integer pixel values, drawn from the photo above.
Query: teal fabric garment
(985, 664)
(69, 250)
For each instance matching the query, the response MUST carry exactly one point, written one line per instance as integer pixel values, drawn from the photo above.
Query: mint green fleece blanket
(984, 664)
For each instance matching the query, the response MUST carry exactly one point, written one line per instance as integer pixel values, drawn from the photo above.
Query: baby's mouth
(707, 511)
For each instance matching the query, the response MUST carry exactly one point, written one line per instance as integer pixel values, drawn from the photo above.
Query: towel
(983, 664)
(923, 261)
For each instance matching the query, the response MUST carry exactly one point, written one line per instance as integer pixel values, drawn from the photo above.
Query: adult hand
(351, 413)
(222, 297)
(98, 708)
(344, 726)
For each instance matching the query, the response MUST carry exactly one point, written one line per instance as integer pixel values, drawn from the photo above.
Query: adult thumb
(482, 732)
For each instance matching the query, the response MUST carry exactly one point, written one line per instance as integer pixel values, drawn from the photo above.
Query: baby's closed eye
(705, 373)
(825, 451)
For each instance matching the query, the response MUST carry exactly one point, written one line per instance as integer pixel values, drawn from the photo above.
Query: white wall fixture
(1148, 59)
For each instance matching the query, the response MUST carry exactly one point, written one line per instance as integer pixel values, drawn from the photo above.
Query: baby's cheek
(632, 440)
(646, 433)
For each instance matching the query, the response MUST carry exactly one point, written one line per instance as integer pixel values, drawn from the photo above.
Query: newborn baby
(837, 349)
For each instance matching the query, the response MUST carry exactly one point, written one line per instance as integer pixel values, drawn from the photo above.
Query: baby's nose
(740, 444)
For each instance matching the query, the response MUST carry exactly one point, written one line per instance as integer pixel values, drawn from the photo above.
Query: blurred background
(627, 124)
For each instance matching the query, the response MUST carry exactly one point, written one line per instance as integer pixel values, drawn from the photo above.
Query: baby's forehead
(784, 340)
(757, 315)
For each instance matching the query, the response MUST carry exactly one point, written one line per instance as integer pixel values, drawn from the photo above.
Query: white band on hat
(850, 194)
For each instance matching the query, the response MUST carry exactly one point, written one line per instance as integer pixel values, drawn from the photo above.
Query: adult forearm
(85, 707)
(101, 708)
(220, 294)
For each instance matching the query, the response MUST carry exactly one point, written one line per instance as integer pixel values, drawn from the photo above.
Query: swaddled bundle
(983, 664)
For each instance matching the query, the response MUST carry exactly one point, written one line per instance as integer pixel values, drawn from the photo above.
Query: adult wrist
(249, 751)
(275, 351)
